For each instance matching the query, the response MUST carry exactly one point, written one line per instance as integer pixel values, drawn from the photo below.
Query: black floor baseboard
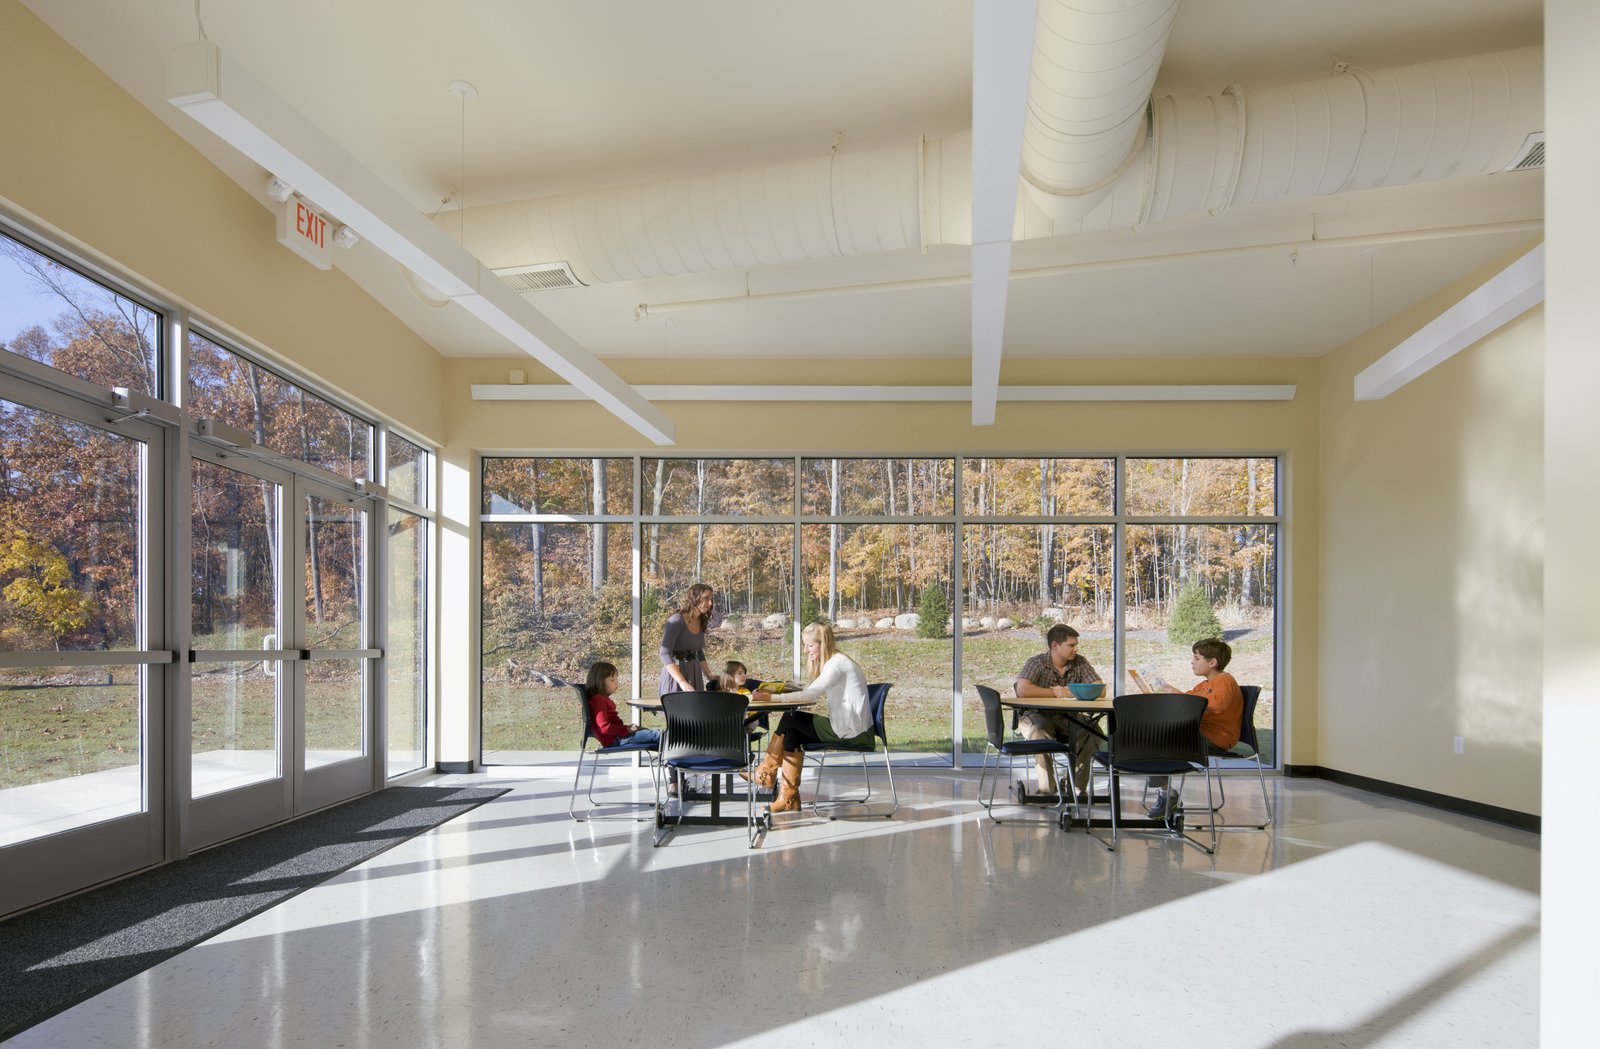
(1510, 817)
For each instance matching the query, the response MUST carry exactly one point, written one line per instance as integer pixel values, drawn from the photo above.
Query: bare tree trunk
(699, 511)
(1183, 530)
(311, 521)
(910, 512)
(1047, 533)
(655, 508)
(597, 560)
(536, 543)
(259, 417)
(833, 542)
(1246, 585)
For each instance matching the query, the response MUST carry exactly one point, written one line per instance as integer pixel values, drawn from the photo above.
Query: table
(1091, 710)
(777, 704)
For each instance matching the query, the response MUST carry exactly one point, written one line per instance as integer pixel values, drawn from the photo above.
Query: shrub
(1192, 618)
(809, 612)
(933, 610)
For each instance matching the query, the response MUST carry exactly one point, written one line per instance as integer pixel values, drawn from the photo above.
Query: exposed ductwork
(1354, 131)
(1094, 64)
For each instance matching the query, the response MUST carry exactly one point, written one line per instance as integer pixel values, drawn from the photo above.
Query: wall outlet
(1460, 745)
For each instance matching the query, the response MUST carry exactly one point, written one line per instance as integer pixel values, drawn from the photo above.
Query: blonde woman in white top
(839, 679)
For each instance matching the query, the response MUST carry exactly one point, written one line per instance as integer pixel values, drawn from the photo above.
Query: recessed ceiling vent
(541, 276)
(1531, 155)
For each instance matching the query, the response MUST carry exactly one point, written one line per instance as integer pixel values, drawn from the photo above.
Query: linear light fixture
(223, 97)
(832, 394)
(1501, 299)
(1002, 54)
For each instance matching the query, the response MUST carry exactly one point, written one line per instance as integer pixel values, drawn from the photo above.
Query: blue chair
(877, 696)
(1059, 751)
(638, 811)
(1156, 734)
(705, 734)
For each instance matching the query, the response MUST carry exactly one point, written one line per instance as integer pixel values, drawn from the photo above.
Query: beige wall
(1289, 428)
(90, 163)
(1432, 532)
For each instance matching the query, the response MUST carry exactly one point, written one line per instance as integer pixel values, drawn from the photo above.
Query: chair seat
(1034, 746)
(627, 748)
(705, 764)
(854, 748)
(1146, 766)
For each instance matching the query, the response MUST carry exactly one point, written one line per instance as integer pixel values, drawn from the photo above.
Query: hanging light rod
(223, 97)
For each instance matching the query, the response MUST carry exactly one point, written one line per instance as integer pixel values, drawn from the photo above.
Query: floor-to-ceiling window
(937, 573)
(82, 659)
(408, 476)
(189, 646)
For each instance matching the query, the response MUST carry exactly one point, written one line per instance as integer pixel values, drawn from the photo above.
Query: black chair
(1156, 734)
(877, 695)
(1248, 749)
(641, 810)
(705, 734)
(1059, 751)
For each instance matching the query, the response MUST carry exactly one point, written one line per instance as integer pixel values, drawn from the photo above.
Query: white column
(1571, 849)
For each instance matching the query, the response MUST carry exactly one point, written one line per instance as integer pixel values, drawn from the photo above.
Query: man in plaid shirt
(1047, 676)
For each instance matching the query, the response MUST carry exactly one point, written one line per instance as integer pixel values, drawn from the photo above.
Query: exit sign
(306, 233)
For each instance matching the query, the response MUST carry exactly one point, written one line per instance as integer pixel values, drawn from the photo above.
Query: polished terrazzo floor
(1356, 921)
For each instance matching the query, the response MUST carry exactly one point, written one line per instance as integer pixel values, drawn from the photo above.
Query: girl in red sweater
(605, 724)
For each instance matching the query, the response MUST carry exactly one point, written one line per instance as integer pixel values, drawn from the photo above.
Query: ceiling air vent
(539, 277)
(1531, 155)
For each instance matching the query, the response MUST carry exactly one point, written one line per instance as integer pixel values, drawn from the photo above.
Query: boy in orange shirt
(1223, 716)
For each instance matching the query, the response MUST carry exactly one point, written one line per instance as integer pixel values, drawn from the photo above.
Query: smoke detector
(541, 276)
(1531, 155)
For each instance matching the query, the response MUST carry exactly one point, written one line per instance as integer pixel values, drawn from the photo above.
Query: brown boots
(766, 774)
(788, 799)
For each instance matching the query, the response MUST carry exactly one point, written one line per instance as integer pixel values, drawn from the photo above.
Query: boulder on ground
(968, 623)
(886, 623)
(1004, 624)
(987, 622)
(1055, 615)
(907, 621)
(844, 624)
(776, 621)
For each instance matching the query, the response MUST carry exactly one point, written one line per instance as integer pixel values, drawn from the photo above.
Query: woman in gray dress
(683, 643)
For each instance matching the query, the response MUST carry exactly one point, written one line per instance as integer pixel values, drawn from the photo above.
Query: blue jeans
(645, 737)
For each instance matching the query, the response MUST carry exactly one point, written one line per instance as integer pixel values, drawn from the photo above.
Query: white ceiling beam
(884, 394)
(1501, 299)
(222, 96)
(1002, 52)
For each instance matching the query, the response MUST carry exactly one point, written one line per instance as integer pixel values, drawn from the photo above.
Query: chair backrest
(1158, 725)
(1247, 730)
(705, 725)
(877, 695)
(583, 714)
(994, 718)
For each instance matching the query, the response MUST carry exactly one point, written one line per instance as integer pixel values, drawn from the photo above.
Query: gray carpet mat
(58, 955)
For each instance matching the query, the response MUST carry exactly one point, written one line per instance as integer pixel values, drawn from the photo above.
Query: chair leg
(1266, 802)
(1112, 789)
(888, 770)
(572, 799)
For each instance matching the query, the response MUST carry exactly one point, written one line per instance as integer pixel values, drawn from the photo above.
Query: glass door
(280, 674)
(334, 681)
(83, 665)
(240, 708)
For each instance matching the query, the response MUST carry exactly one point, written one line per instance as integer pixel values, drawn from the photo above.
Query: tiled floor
(1356, 921)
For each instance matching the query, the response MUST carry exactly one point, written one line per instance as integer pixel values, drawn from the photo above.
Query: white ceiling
(577, 95)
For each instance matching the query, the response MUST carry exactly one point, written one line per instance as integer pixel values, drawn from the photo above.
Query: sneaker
(1159, 809)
